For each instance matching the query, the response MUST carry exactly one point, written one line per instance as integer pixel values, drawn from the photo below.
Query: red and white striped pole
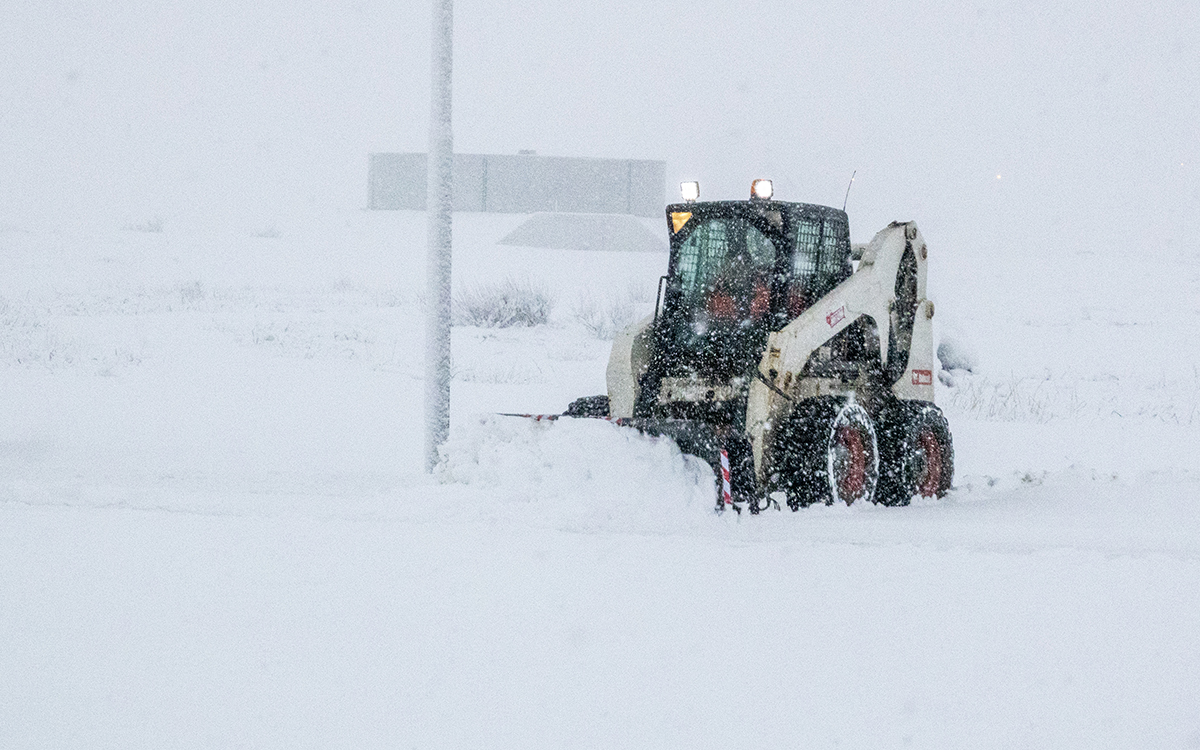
(726, 494)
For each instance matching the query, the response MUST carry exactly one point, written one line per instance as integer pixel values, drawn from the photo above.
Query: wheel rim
(850, 463)
(930, 449)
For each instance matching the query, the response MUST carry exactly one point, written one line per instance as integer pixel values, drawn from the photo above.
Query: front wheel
(827, 452)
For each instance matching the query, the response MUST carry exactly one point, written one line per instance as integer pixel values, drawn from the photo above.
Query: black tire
(827, 452)
(588, 406)
(916, 451)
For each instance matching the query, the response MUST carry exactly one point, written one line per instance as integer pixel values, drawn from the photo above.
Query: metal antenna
(848, 190)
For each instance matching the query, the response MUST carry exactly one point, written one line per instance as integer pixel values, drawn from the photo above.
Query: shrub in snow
(604, 319)
(1016, 400)
(154, 226)
(29, 336)
(192, 293)
(501, 305)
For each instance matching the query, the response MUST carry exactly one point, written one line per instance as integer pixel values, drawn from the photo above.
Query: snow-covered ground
(215, 532)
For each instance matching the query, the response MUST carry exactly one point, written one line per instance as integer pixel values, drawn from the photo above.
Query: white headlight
(690, 191)
(762, 189)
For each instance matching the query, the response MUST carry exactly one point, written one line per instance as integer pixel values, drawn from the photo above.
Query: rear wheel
(917, 453)
(827, 452)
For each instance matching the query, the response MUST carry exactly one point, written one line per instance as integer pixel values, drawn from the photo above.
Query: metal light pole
(440, 165)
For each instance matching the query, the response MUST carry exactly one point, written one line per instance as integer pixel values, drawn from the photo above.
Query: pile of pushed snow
(580, 474)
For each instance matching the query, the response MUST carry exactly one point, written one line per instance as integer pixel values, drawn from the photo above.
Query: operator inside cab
(741, 291)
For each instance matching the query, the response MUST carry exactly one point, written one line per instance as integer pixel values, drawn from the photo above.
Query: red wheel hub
(850, 464)
(930, 482)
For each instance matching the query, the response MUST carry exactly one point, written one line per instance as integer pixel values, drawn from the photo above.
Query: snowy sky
(996, 125)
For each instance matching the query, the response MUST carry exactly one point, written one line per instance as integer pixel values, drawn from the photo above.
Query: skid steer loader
(790, 361)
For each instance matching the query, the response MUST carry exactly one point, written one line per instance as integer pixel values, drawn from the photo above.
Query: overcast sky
(1036, 125)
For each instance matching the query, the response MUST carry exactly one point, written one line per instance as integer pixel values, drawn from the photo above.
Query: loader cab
(739, 270)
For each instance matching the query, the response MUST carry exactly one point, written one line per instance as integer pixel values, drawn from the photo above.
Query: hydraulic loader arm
(871, 291)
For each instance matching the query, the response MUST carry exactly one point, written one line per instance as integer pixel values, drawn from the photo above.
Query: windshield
(725, 267)
(722, 287)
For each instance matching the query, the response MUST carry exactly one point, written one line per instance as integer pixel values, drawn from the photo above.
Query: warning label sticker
(835, 317)
(922, 377)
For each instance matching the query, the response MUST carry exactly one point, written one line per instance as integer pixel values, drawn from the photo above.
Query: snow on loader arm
(797, 367)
